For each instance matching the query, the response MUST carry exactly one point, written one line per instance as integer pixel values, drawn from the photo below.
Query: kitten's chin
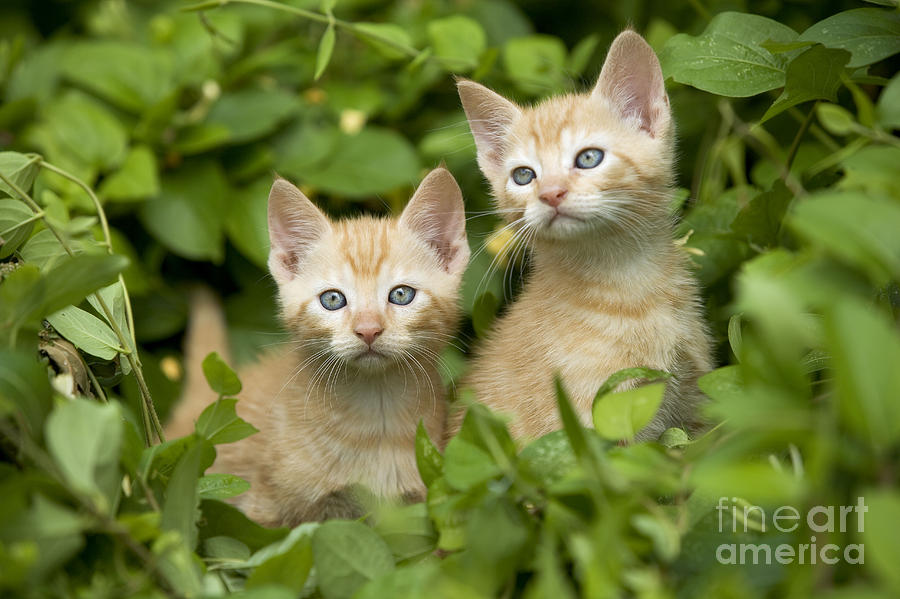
(372, 360)
(563, 226)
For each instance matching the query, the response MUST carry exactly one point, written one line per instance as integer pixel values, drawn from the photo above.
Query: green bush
(141, 139)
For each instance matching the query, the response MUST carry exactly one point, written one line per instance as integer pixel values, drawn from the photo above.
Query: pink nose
(368, 332)
(554, 196)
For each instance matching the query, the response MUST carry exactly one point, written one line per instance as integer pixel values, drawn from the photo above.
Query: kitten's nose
(368, 332)
(553, 196)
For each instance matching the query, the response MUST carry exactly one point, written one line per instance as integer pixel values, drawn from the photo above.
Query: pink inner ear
(294, 226)
(436, 215)
(632, 81)
(490, 116)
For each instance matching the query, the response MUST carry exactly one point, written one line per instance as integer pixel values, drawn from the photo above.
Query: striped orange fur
(609, 288)
(333, 409)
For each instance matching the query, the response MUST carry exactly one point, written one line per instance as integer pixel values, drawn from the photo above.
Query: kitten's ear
(436, 214)
(632, 81)
(295, 224)
(490, 117)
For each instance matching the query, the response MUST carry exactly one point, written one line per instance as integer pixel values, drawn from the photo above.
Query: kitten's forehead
(558, 124)
(369, 248)
(364, 244)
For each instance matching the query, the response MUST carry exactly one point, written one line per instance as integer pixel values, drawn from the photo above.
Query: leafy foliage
(177, 118)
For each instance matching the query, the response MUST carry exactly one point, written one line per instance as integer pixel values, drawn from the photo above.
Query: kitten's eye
(523, 175)
(401, 295)
(333, 300)
(589, 158)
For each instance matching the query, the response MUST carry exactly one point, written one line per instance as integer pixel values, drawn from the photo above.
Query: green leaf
(548, 459)
(221, 378)
(759, 222)
(114, 298)
(181, 511)
(23, 382)
(865, 351)
(428, 459)
(303, 147)
(221, 519)
(221, 486)
(571, 424)
(131, 76)
(536, 63)
(251, 113)
(286, 563)
(348, 555)
(79, 132)
(836, 119)
(878, 528)
(467, 465)
(12, 232)
(21, 290)
(49, 530)
(869, 34)
(21, 169)
(87, 332)
(621, 415)
(871, 170)
(407, 530)
(374, 161)
(674, 438)
(854, 227)
(75, 277)
(888, 108)
(136, 179)
(722, 383)
(219, 423)
(188, 214)
(386, 38)
(582, 53)
(756, 481)
(626, 374)
(813, 75)
(458, 41)
(482, 449)
(84, 438)
(247, 221)
(728, 58)
(326, 48)
(662, 532)
(202, 137)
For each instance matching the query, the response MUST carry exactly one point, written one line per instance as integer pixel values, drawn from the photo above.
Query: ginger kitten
(586, 179)
(370, 303)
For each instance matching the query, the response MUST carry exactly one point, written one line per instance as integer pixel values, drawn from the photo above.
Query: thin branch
(312, 16)
(152, 424)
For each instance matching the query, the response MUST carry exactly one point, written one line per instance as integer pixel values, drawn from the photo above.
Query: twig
(795, 145)
(152, 424)
(110, 525)
(312, 16)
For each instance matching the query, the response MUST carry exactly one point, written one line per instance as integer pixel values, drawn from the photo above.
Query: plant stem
(152, 425)
(107, 238)
(312, 16)
(31, 219)
(97, 386)
(110, 525)
(795, 145)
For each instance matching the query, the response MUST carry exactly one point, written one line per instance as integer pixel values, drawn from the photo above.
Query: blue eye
(401, 295)
(333, 300)
(589, 158)
(523, 175)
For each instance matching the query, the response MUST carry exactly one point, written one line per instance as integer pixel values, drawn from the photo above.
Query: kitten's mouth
(370, 356)
(562, 218)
